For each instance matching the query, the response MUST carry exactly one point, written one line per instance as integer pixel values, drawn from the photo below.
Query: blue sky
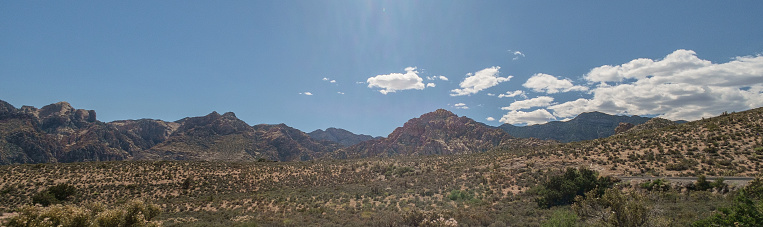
(384, 62)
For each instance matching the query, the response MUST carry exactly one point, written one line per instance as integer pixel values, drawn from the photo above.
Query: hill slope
(727, 145)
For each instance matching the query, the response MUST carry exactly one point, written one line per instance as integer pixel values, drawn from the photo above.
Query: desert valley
(63, 166)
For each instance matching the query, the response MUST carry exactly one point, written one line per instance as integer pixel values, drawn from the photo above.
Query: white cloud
(517, 54)
(541, 101)
(325, 79)
(461, 106)
(339, 92)
(397, 81)
(478, 81)
(431, 85)
(679, 87)
(676, 62)
(513, 94)
(490, 94)
(490, 119)
(306, 93)
(538, 116)
(437, 77)
(332, 81)
(549, 84)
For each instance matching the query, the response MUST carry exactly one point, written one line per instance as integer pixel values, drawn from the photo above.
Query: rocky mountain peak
(438, 132)
(439, 114)
(230, 115)
(56, 109)
(6, 107)
(212, 124)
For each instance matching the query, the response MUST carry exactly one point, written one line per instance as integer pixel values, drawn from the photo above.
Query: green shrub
(561, 218)
(54, 195)
(63, 191)
(743, 212)
(44, 198)
(702, 184)
(562, 189)
(656, 185)
(460, 195)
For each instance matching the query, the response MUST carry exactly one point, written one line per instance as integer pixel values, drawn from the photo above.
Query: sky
(369, 66)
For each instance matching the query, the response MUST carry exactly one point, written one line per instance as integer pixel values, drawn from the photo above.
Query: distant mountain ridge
(341, 136)
(586, 126)
(60, 133)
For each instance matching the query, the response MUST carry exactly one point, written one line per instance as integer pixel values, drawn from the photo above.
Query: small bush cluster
(135, 213)
(745, 210)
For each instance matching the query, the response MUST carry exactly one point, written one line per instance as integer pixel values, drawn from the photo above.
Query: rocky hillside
(586, 126)
(341, 136)
(438, 132)
(60, 133)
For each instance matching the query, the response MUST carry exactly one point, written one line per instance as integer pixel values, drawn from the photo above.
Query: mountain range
(60, 133)
(586, 126)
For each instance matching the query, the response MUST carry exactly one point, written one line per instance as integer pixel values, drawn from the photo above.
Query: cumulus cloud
(679, 87)
(339, 92)
(325, 79)
(306, 93)
(332, 81)
(541, 101)
(549, 84)
(478, 81)
(674, 63)
(431, 85)
(397, 81)
(490, 119)
(461, 106)
(538, 116)
(513, 94)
